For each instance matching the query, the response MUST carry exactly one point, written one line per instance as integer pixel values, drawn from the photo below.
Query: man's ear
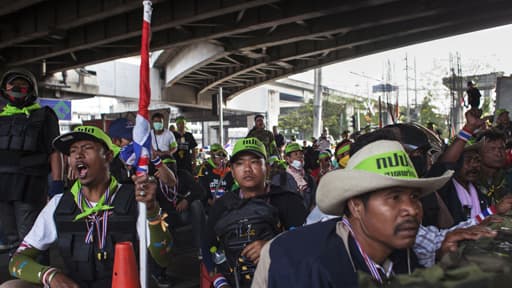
(355, 205)
(108, 155)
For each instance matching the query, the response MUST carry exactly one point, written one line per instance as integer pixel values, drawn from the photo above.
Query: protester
(423, 147)
(324, 159)
(494, 181)
(242, 221)
(122, 168)
(380, 220)
(503, 123)
(296, 178)
(186, 154)
(27, 155)
(345, 135)
(460, 194)
(325, 141)
(311, 154)
(215, 175)
(279, 138)
(88, 220)
(341, 152)
(265, 136)
(473, 95)
(163, 141)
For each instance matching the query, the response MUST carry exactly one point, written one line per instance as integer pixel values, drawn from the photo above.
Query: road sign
(61, 107)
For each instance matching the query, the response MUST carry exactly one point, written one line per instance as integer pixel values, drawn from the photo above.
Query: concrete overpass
(235, 44)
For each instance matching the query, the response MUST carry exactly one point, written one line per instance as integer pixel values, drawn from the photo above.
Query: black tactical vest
(21, 149)
(81, 259)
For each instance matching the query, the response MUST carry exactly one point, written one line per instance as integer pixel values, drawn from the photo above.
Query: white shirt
(44, 232)
(325, 143)
(163, 141)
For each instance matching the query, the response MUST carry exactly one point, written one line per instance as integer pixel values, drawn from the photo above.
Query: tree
(299, 122)
(428, 114)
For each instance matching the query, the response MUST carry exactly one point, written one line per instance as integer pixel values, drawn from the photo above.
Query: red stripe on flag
(144, 88)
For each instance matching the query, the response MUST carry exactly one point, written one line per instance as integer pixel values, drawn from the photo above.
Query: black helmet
(17, 96)
(415, 137)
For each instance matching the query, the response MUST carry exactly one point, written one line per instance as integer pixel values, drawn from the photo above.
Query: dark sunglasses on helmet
(219, 155)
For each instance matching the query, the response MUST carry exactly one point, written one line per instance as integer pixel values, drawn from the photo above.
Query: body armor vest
(20, 143)
(85, 263)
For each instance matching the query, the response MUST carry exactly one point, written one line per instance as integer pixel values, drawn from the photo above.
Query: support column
(317, 108)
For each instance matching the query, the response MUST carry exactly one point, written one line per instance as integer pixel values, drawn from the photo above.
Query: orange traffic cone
(125, 274)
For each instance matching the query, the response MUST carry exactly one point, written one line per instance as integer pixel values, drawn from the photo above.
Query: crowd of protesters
(271, 214)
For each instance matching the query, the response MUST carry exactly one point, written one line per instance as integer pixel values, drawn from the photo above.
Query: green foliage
(486, 106)
(428, 114)
(299, 122)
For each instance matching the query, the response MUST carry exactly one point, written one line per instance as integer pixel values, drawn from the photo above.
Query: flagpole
(221, 116)
(141, 138)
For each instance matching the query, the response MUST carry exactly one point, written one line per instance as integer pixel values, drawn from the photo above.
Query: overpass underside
(234, 44)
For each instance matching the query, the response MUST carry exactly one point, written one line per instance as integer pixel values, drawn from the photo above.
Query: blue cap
(121, 128)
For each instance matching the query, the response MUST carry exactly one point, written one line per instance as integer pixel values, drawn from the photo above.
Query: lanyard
(171, 194)
(372, 266)
(98, 220)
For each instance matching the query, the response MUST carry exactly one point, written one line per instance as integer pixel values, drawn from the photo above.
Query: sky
(480, 52)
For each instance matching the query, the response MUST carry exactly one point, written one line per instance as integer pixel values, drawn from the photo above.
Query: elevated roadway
(234, 44)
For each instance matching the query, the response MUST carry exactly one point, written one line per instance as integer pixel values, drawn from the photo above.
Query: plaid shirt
(430, 238)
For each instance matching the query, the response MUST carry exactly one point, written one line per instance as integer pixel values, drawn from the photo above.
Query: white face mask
(296, 164)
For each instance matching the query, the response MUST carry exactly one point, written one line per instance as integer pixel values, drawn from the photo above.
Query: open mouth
(82, 169)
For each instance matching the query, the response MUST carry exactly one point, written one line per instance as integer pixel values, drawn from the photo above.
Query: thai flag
(142, 129)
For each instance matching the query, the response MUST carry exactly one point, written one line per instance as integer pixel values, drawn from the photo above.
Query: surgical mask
(296, 164)
(158, 126)
(344, 161)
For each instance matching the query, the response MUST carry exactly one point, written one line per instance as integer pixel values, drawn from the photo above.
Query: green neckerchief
(100, 206)
(10, 110)
(116, 149)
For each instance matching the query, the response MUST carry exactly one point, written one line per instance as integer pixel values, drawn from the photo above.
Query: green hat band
(343, 149)
(323, 155)
(249, 144)
(97, 133)
(394, 164)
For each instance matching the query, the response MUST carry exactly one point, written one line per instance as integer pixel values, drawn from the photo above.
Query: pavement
(183, 270)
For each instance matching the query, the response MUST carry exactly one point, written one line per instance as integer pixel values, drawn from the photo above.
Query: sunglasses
(219, 155)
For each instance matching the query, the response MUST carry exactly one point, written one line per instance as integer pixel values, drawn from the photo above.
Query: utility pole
(221, 116)
(408, 115)
(317, 108)
(368, 94)
(415, 87)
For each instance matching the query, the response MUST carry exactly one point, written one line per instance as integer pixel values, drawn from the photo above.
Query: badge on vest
(102, 256)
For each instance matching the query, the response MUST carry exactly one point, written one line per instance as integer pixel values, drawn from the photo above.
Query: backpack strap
(283, 180)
